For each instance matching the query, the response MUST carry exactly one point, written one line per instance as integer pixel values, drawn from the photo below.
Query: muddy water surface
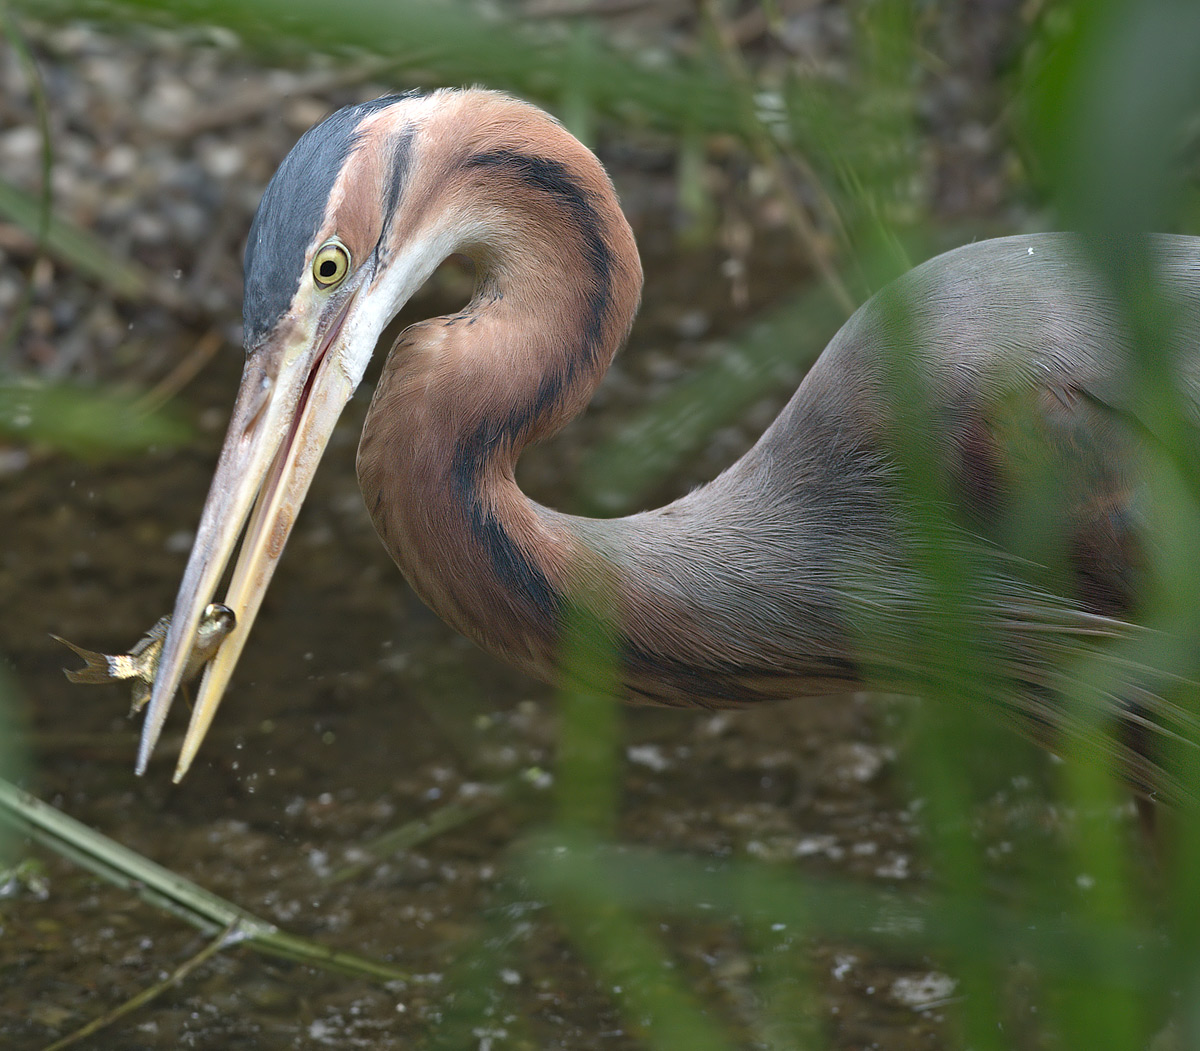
(355, 711)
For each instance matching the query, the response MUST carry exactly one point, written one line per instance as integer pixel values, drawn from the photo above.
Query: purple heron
(788, 574)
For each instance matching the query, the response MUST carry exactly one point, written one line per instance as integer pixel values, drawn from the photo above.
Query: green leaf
(73, 246)
(82, 421)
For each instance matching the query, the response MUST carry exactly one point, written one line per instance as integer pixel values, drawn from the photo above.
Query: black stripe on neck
(517, 572)
(575, 203)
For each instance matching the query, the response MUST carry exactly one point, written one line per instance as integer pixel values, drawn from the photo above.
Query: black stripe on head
(290, 214)
(399, 165)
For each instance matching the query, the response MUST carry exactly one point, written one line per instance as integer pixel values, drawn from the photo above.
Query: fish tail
(99, 668)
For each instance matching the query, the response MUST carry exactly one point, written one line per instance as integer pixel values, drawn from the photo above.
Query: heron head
(359, 215)
(323, 278)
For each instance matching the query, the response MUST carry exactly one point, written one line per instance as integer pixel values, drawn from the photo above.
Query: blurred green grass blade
(168, 890)
(1058, 942)
(950, 648)
(12, 759)
(421, 830)
(651, 445)
(460, 44)
(629, 961)
(45, 199)
(656, 1001)
(84, 422)
(862, 141)
(484, 1005)
(588, 770)
(788, 1012)
(1116, 82)
(1175, 611)
(1100, 851)
(74, 247)
(1100, 848)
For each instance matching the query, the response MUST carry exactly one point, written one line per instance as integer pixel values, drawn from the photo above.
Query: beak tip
(145, 751)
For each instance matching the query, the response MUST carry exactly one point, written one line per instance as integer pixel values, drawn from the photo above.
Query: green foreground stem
(169, 891)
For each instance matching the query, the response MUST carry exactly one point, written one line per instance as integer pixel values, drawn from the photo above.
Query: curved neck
(460, 396)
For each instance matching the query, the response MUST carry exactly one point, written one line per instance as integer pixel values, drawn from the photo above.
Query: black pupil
(328, 268)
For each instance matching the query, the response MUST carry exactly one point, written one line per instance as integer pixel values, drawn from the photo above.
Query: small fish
(141, 662)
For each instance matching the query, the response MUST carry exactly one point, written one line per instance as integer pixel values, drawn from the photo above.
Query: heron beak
(293, 390)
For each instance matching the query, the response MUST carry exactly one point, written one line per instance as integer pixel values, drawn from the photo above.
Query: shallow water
(355, 710)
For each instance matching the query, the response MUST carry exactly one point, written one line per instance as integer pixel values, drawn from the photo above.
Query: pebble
(126, 172)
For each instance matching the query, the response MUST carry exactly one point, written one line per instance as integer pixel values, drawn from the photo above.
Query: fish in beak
(293, 390)
(140, 664)
(330, 260)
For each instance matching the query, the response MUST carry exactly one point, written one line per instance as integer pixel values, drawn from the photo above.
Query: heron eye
(331, 264)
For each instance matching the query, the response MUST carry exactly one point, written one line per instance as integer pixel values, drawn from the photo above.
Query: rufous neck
(460, 396)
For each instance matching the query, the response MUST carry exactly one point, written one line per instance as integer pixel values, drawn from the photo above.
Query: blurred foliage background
(779, 161)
